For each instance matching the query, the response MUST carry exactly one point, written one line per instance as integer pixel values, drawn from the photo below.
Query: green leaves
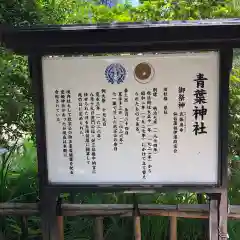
(16, 109)
(18, 182)
(234, 109)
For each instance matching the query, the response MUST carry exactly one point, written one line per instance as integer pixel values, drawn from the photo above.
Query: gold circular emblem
(143, 72)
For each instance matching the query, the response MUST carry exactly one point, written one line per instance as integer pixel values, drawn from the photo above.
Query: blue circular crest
(115, 73)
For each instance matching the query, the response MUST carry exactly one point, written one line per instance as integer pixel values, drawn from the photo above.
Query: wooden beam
(200, 211)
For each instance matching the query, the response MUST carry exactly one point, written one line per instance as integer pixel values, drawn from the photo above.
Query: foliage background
(18, 170)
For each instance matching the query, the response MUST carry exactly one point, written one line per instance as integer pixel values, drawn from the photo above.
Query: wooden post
(49, 219)
(223, 215)
(213, 219)
(44, 213)
(99, 228)
(136, 219)
(24, 228)
(60, 220)
(173, 228)
(137, 227)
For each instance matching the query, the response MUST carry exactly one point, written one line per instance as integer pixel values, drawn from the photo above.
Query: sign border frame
(225, 65)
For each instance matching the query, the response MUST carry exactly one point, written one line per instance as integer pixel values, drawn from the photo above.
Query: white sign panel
(150, 119)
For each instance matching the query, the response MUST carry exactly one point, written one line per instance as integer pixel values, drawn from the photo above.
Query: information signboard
(151, 122)
(149, 119)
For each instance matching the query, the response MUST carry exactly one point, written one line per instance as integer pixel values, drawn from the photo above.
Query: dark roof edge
(164, 35)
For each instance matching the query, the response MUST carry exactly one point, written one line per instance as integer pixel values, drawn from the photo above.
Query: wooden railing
(200, 211)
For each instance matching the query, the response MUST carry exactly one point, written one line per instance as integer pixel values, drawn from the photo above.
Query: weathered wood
(200, 211)
(137, 227)
(223, 215)
(99, 228)
(24, 228)
(173, 228)
(213, 220)
(60, 220)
